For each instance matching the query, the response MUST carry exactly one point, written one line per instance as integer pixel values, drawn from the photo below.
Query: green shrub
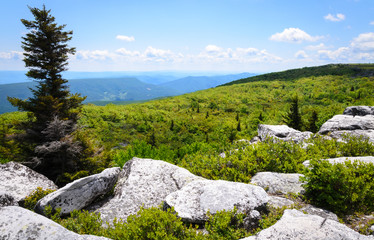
(226, 225)
(83, 222)
(343, 188)
(35, 196)
(152, 223)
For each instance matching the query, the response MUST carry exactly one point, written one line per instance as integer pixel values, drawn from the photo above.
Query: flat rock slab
(359, 110)
(367, 159)
(20, 181)
(297, 225)
(80, 193)
(347, 122)
(20, 223)
(143, 182)
(282, 132)
(275, 183)
(194, 200)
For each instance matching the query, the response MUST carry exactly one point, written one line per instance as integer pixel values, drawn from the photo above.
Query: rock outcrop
(143, 182)
(20, 181)
(348, 122)
(194, 200)
(80, 193)
(279, 183)
(367, 159)
(297, 225)
(359, 111)
(282, 132)
(20, 223)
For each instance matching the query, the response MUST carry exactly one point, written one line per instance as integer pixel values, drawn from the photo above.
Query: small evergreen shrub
(343, 188)
(226, 225)
(35, 196)
(152, 223)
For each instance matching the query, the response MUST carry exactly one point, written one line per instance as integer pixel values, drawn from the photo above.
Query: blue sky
(200, 35)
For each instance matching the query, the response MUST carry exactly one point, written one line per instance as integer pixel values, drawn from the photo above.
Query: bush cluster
(343, 188)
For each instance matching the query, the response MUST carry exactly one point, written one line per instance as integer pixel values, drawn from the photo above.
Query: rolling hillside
(352, 70)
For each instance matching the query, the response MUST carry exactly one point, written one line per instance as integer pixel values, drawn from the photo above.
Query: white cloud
(15, 55)
(364, 42)
(340, 54)
(215, 54)
(320, 46)
(125, 52)
(293, 35)
(94, 55)
(372, 23)
(301, 54)
(337, 18)
(125, 38)
(213, 49)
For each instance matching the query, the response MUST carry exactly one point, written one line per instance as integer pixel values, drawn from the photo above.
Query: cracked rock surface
(144, 182)
(297, 225)
(80, 193)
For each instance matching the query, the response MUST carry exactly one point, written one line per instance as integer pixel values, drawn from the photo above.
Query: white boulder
(143, 182)
(20, 223)
(196, 199)
(297, 225)
(20, 181)
(80, 193)
(275, 183)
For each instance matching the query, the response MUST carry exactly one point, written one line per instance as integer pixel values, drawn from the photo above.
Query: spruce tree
(52, 110)
(293, 117)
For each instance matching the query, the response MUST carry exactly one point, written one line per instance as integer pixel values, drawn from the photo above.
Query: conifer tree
(293, 117)
(52, 110)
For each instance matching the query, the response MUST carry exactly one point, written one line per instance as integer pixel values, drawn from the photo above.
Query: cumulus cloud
(15, 55)
(337, 18)
(293, 35)
(213, 53)
(340, 54)
(125, 38)
(94, 55)
(364, 42)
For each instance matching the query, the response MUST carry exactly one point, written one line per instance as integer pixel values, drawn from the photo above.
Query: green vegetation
(352, 70)
(344, 188)
(193, 129)
(31, 200)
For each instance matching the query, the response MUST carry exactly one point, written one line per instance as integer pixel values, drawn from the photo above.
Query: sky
(199, 35)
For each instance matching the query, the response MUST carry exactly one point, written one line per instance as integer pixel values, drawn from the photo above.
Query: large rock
(80, 193)
(20, 181)
(347, 122)
(359, 111)
(310, 209)
(20, 223)
(297, 225)
(275, 183)
(279, 202)
(341, 135)
(143, 182)
(194, 200)
(367, 159)
(282, 132)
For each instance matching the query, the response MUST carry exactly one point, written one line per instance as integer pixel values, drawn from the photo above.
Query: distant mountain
(196, 83)
(96, 89)
(7, 77)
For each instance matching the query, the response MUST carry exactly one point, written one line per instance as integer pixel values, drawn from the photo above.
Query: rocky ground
(149, 183)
